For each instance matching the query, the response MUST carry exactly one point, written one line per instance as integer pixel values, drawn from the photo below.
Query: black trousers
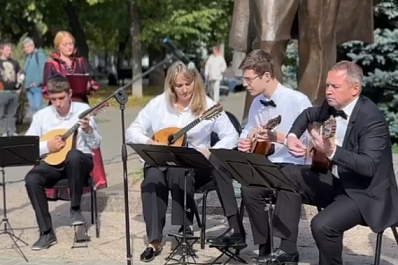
(76, 169)
(159, 181)
(254, 199)
(340, 212)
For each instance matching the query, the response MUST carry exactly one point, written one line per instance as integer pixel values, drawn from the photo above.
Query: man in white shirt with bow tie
(272, 99)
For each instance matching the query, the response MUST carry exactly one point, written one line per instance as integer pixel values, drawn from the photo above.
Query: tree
(379, 62)
(136, 49)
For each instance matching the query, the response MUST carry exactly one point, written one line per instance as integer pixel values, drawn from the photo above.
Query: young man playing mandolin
(359, 188)
(78, 164)
(273, 99)
(183, 101)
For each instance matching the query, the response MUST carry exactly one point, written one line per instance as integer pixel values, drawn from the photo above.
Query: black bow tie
(267, 103)
(337, 113)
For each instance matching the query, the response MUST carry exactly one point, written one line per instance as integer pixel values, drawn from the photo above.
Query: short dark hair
(5, 43)
(259, 61)
(58, 84)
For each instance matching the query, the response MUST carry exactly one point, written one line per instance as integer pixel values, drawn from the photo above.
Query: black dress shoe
(229, 237)
(45, 241)
(149, 254)
(281, 258)
(77, 218)
(188, 230)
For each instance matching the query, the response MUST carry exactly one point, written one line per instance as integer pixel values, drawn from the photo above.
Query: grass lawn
(103, 92)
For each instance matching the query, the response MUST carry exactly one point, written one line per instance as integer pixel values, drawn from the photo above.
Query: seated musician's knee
(33, 180)
(321, 226)
(253, 194)
(74, 156)
(152, 177)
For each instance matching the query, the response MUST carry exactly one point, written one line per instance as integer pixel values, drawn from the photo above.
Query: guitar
(266, 148)
(175, 136)
(59, 157)
(320, 163)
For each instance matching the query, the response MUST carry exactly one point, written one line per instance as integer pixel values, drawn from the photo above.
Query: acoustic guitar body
(59, 157)
(263, 148)
(163, 135)
(320, 163)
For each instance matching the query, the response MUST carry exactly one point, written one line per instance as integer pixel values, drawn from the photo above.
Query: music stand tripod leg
(187, 250)
(269, 209)
(5, 222)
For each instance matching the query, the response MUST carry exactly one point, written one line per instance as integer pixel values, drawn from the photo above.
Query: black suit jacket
(364, 161)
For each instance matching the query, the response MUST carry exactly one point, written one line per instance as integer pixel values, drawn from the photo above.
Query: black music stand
(16, 151)
(176, 157)
(256, 170)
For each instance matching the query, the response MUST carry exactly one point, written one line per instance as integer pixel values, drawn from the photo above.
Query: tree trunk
(76, 29)
(157, 76)
(136, 49)
(37, 36)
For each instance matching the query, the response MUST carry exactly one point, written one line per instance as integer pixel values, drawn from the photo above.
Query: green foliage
(379, 62)
(185, 21)
(290, 65)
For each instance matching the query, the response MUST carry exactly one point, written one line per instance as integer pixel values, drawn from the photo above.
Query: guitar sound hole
(170, 139)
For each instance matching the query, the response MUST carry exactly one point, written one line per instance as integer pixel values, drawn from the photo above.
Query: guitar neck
(184, 130)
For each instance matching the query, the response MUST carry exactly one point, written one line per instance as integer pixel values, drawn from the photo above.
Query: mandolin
(59, 157)
(266, 148)
(320, 162)
(175, 136)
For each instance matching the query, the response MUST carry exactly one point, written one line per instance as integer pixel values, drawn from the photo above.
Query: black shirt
(9, 70)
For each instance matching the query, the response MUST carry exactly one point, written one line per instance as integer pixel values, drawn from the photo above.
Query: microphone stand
(120, 95)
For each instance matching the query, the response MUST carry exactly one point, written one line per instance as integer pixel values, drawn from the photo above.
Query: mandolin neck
(184, 130)
(71, 131)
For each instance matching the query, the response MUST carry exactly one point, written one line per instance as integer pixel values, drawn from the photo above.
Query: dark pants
(155, 190)
(254, 199)
(35, 98)
(9, 101)
(340, 213)
(76, 169)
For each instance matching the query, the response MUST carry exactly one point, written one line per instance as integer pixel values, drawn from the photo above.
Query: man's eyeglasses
(249, 80)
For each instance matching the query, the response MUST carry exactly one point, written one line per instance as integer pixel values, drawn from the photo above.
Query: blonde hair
(60, 36)
(198, 102)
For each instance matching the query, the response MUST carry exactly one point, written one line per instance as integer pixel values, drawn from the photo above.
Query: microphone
(175, 51)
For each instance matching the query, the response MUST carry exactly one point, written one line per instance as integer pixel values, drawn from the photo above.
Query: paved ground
(110, 247)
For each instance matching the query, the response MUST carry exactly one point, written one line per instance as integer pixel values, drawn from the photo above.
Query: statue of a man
(319, 25)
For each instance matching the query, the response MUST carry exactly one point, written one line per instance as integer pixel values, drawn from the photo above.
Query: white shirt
(215, 67)
(289, 104)
(341, 129)
(48, 119)
(158, 114)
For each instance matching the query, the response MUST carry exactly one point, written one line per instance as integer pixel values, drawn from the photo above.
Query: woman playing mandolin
(183, 101)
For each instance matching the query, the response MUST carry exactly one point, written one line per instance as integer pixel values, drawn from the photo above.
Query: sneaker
(77, 218)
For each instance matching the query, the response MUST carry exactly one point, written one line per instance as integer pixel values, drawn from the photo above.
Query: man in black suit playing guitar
(360, 187)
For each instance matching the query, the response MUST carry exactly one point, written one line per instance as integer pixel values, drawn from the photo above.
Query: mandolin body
(59, 157)
(262, 148)
(163, 135)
